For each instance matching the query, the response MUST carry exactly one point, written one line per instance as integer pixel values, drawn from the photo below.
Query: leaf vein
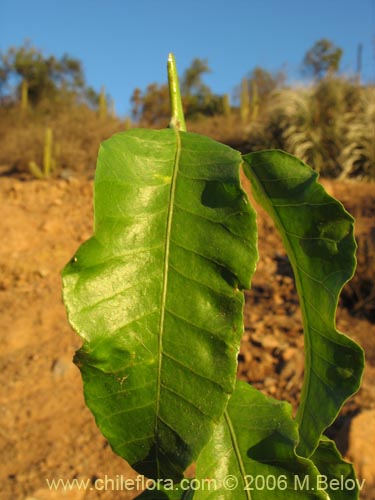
(181, 396)
(209, 332)
(188, 368)
(219, 292)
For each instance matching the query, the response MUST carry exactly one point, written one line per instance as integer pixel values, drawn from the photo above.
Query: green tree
(323, 58)
(256, 89)
(244, 101)
(151, 106)
(191, 82)
(198, 99)
(46, 77)
(262, 83)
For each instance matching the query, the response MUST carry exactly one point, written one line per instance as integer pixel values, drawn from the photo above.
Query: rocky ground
(46, 432)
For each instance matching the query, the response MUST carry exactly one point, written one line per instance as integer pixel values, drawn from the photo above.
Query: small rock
(362, 445)
(289, 353)
(47, 226)
(67, 174)
(277, 300)
(270, 342)
(57, 202)
(43, 273)
(61, 366)
(269, 382)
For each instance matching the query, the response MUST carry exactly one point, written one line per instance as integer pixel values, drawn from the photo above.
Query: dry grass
(330, 126)
(357, 158)
(77, 134)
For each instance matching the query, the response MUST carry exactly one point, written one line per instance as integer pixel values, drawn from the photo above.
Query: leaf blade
(318, 236)
(156, 299)
(254, 446)
(338, 476)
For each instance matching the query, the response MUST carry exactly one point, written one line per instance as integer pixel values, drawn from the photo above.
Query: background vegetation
(328, 123)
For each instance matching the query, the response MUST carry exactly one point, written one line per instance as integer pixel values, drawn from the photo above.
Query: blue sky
(124, 44)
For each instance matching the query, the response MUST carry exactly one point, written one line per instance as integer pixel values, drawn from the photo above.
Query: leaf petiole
(177, 112)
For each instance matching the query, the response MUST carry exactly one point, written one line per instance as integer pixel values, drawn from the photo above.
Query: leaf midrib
(300, 287)
(165, 287)
(237, 452)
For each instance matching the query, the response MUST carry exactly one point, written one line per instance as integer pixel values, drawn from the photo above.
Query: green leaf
(156, 295)
(318, 236)
(171, 493)
(337, 476)
(252, 453)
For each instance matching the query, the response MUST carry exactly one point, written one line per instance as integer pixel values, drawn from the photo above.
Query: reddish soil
(46, 431)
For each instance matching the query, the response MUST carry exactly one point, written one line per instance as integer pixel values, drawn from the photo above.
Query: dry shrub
(330, 126)
(20, 142)
(357, 158)
(226, 129)
(77, 133)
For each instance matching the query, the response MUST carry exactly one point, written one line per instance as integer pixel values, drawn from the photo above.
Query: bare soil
(46, 431)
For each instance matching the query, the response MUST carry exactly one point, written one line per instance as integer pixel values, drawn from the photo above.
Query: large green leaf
(279, 472)
(337, 477)
(318, 236)
(156, 295)
(175, 492)
(252, 453)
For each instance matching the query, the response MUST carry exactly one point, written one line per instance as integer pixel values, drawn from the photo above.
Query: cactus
(112, 110)
(244, 104)
(24, 96)
(226, 105)
(255, 100)
(48, 160)
(103, 105)
(127, 123)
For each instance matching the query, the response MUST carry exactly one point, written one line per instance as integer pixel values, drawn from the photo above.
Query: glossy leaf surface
(251, 455)
(318, 236)
(337, 476)
(156, 295)
(174, 493)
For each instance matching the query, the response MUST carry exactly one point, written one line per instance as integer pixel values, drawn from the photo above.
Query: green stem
(177, 113)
